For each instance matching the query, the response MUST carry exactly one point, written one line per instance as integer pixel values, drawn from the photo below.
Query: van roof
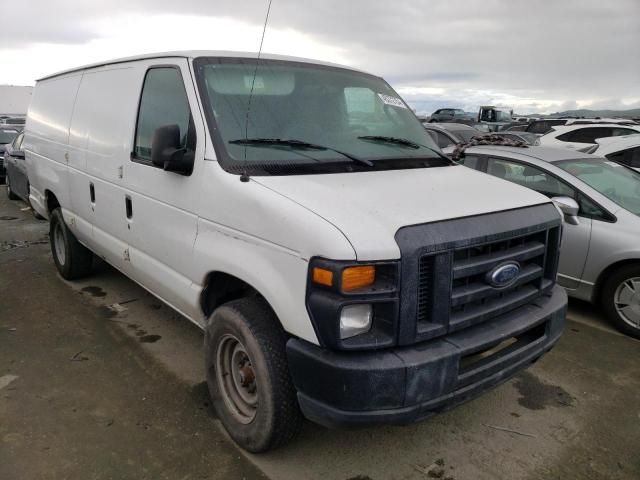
(194, 54)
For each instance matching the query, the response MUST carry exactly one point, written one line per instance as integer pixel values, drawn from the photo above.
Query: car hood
(370, 207)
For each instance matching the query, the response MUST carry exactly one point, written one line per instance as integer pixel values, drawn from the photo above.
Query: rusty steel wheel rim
(236, 379)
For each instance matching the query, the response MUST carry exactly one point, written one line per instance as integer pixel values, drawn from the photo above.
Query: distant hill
(633, 113)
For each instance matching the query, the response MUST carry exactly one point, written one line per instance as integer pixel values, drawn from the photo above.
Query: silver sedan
(600, 199)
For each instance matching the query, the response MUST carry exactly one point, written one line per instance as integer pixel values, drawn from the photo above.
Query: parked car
(516, 128)
(16, 179)
(449, 115)
(496, 118)
(450, 134)
(583, 137)
(528, 138)
(545, 125)
(624, 149)
(600, 255)
(17, 121)
(322, 244)
(6, 136)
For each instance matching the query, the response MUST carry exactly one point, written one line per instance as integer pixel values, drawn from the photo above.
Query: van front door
(159, 206)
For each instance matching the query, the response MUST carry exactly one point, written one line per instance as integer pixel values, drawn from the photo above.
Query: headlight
(355, 319)
(354, 305)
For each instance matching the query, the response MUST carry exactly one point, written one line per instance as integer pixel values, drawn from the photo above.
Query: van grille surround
(445, 285)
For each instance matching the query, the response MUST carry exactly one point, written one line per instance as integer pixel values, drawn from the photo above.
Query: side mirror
(167, 153)
(18, 154)
(569, 208)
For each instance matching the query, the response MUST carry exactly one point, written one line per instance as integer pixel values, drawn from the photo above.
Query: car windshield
(7, 135)
(255, 112)
(616, 182)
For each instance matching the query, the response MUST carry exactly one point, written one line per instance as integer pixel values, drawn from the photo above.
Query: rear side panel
(46, 137)
(99, 147)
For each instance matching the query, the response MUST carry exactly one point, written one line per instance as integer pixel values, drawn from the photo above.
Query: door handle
(92, 193)
(128, 206)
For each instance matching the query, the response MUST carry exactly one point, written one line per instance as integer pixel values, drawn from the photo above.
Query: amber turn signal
(322, 276)
(354, 278)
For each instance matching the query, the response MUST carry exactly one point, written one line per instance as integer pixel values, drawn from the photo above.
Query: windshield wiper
(403, 142)
(293, 143)
(395, 140)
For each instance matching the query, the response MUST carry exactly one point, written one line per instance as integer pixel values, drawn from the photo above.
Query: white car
(624, 150)
(300, 214)
(583, 137)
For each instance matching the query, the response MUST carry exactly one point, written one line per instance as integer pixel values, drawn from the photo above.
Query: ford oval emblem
(503, 275)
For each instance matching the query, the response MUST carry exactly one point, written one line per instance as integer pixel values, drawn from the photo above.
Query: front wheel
(72, 259)
(621, 299)
(248, 376)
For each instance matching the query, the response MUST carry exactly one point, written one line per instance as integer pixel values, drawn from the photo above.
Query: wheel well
(51, 201)
(220, 288)
(607, 272)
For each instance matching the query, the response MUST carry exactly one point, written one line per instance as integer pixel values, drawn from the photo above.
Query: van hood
(370, 207)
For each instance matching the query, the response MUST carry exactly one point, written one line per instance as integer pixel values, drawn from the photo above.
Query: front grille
(474, 300)
(444, 267)
(471, 298)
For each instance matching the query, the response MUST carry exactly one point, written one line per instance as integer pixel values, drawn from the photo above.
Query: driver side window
(163, 102)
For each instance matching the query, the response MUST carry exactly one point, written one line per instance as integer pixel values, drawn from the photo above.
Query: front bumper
(405, 384)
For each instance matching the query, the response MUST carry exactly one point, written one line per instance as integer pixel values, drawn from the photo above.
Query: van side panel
(101, 131)
(46, 137)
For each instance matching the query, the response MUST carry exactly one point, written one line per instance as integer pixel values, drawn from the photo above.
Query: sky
(536, 56)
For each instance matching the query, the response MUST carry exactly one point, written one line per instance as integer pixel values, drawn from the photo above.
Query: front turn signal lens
(354, 278)
(322, 276)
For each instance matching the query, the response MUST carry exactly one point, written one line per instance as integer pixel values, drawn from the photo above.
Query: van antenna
(244, 177)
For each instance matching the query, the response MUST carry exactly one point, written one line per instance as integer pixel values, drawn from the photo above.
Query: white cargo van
(341, 268)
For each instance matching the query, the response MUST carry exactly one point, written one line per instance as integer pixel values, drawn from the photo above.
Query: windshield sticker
(393, 101)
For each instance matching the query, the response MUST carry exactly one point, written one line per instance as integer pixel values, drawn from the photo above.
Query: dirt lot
(99, 380)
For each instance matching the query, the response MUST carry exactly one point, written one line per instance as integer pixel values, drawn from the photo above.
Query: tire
(271, 416)
(619, 286)
(72, 260)
(10, 194)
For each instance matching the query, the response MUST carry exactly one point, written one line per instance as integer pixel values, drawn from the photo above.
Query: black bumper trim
(404, 385)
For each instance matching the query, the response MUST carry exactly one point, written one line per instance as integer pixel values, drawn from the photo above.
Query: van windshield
(293, 117)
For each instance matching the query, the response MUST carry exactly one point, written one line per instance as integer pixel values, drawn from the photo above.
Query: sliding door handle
(92, 193)
(128, 207)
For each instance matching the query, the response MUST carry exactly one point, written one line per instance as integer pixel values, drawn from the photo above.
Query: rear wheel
(72, 259)
(248, 375)
(10, 194)
(621, 299)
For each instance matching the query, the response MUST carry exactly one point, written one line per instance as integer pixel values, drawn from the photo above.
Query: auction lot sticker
(393, 101)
